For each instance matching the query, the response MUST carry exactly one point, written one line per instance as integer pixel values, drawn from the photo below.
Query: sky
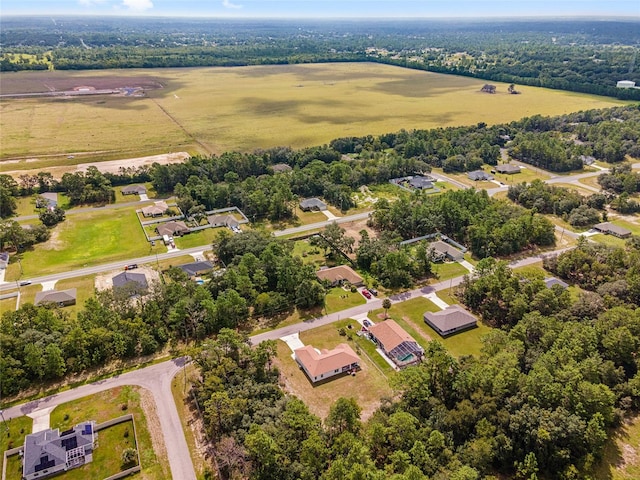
(326, 8)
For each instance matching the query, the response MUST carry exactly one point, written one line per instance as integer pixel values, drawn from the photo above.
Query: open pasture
(244, 108)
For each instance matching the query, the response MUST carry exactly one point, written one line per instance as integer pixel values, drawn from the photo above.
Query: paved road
(377, 303)
(157, 379)
(314, 226)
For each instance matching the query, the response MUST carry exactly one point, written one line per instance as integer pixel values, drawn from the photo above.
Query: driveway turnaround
(157, 379)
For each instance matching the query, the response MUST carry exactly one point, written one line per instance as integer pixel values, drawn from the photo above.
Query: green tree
(344, 416)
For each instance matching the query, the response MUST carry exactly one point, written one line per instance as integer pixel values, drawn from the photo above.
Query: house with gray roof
(49, 452)
(223, 221)
(507, 168)
(4, 259)
(134, 190)
(478, 175)
(62, 298)
(134, 283)
(452, 319)
(615, 230)
(420, 183)
(173, 229)
(442, 250)
(551, 281)
(196, 268)
(309, 204)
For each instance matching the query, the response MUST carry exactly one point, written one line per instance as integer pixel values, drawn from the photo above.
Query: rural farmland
(212, 110)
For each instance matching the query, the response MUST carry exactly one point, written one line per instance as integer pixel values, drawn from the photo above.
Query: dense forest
(577, 55)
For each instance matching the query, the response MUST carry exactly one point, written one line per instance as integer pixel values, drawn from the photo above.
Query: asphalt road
(157, 379)
(314, 226)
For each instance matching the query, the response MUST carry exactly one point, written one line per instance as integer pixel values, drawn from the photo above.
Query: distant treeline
(551, 54)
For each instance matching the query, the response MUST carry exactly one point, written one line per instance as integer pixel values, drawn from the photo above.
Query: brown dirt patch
(54, 242)
(417, 328)
(148, 405)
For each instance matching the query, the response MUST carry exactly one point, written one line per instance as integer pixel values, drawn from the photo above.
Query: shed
(327, 363)
(452, 319)
(626, 84)
(62, 298)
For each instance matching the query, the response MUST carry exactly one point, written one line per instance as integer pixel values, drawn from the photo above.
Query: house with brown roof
(323, 364)
(507, 168)
(340, 275)
(452, 319)
(173, 229)
(442, 250)
(62, 298)
(396, 343)
(615, 230)
(155, 210)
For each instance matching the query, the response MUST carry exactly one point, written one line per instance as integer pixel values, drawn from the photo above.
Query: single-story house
(452, 319)
(196, 268)
(551, 281)
(339, 275)
(47, 200)
(309, 204)
(420, 183)
(222, 221)
(135, 283)
(173, 229)
(134, 190)
(281, 168)
(477, 175)
(612, 229)
(49, 452)
(443, 250)
(62, 298)
(396, 343)
(327, 363)
(507, 168)
(4, 259)
(155, 210)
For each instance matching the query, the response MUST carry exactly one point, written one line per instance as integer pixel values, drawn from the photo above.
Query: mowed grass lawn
(244, 108)
(100, 236)
(368, 386)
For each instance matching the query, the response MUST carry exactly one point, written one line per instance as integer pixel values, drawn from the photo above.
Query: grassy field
(13, 432)
(367, 387)
(99, 236)
(243, 108)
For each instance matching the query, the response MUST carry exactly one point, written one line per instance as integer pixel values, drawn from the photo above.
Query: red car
(366, 293)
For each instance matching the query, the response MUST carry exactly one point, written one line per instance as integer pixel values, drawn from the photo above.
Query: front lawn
(202, 238)
(447, 270)
(340, 299)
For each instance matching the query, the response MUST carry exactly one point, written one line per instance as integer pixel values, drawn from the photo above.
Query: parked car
(373, 292)
(25, 283)
(366, 293)
(366, 323)
(132, 266)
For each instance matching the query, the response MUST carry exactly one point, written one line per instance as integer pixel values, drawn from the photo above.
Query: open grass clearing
(591, 181)
(99, 236)
(610, 240)
(409, 315)
(243, 108)
(338, 299)
(196, 239)
(189, 418)
(575, 187)
(307, 218)
(13, 432)
(448, 270)
(621, 458)
(368, 386)
(309, 253)
(107, 405)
